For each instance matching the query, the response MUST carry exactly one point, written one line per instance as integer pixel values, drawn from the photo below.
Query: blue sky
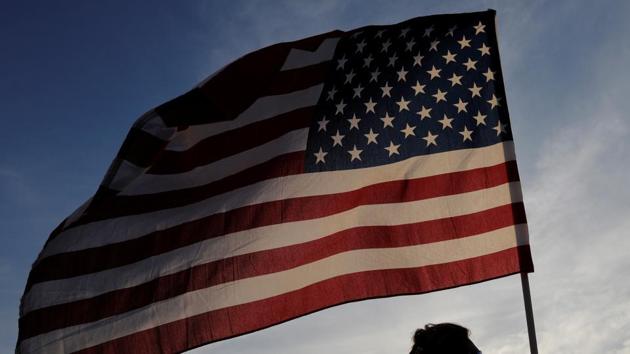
(76, 75)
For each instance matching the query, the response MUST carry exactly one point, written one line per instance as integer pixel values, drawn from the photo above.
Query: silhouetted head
(443, 338)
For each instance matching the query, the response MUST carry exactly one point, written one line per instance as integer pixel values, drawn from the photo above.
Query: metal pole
(529, 314)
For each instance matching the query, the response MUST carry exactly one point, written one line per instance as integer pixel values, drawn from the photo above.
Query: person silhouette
(443, 338)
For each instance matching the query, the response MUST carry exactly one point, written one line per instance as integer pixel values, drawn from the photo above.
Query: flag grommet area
(353, 165)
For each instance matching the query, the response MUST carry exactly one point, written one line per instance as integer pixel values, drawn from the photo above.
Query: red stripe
(96, 259)
(197, 107)
(233, 89)
(112, 206)
(225, 323)
(231, 142)
(258, 74)
(266, 262)
(295, 79)
(142, 149)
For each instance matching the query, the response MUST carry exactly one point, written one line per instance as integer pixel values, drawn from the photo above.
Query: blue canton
(427, 85)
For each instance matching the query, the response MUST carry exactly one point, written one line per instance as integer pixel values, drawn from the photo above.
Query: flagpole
(529, 314)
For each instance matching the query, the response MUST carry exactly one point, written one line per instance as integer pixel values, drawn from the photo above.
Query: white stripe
(257, 288)
(299, 58)
(126, 173)
(146, 183)
(124, 228)
(264, 108)
(156, 126)
(265, 238)
(78, 213)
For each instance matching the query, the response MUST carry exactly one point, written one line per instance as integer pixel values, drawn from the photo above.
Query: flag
(345, 166)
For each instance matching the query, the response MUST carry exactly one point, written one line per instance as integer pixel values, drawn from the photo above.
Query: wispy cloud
(581, 235)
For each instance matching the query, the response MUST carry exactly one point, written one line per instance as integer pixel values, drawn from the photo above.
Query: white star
(494, 101)
(354, 122)
(331, 93)
(480, 118)
(404, 31)
(340, 106)
(439, 96)
(369, 106)
(386, 90)
(320, 156)
(470, 64)
(484, 50)
(341, 63)
(349, 77)
(500, 128)
(446, 122)
(387, 121)
(408, 130)
(475, 90)
(356, 34)
(449, 57)
(461, 106)
(418, 88)
(402, 104)
(392, 149)
(434, 72)
(427, 31)
(386, 46)
(392, 60)
(371, 137)
(367, 61)
(322, 124)
(417, 60)
(451, 31)
(425, 113)
(402, 74)
(463, 43)
(379, 34)
(357, 91)
(479, 28)
(374, 75)
(434, 45)
(337, 139)
(360, 46)
(430, 138)
(410, 45)
(355, 153)
(467, 134)
(455, 80)
(489, 75)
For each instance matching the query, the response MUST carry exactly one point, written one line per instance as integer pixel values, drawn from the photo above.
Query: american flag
(345, 166)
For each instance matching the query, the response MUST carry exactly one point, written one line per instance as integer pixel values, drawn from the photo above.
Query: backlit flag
(346, 166)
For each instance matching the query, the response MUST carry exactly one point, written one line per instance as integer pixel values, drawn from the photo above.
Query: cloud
(578, 221)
